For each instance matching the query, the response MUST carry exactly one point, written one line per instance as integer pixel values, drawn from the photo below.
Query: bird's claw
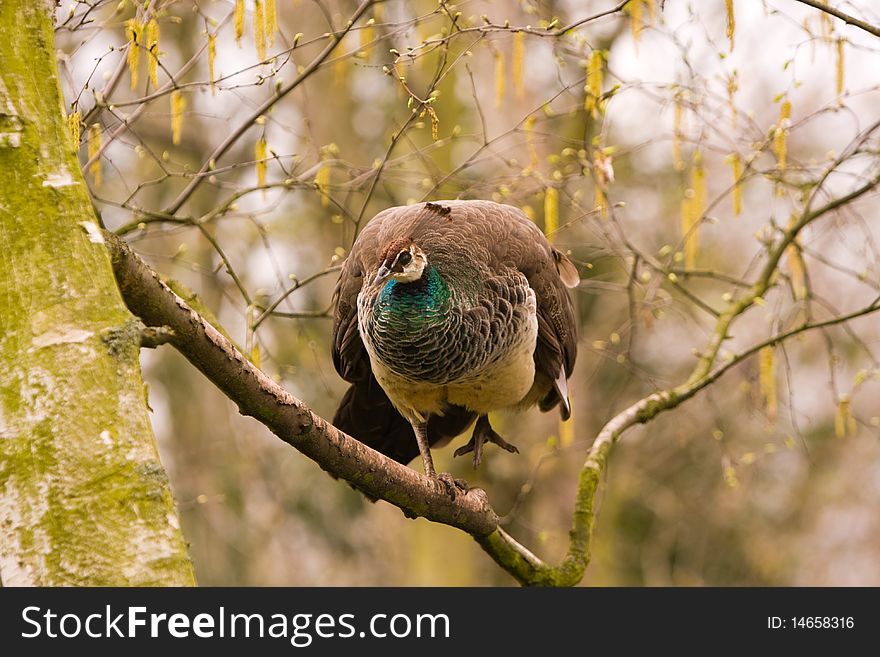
(484, 433)
(451, 485)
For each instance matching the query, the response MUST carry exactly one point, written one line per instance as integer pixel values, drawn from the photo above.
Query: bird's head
(402, 260)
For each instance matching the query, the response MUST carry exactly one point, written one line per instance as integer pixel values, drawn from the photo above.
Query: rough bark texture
(84, 499)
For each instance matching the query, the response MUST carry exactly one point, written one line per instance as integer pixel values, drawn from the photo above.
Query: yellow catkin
(635, 16)
(74, 120)
(731, 22)
(260, 151)
(677, 120)
(133, 30)
(238, 21)
(693, 206)
(808, 28)
(212, 57)
(688, 231)
(260, 29)
(530, 142)
(435, 124)
(551, 212)
(780, 134)
(730, 477)
(826, 26)
(700, 193)
(736, 164)
(785, 110)
(178, 104)
(840, 66)
(566, 433)
(603, 174)
(322, 181)
(767, 380)
(518, 64)
(797, 271)
(152, 39)
(94, 148)
(732, 88)
(255, 355)
(601, 201)
(595, 81)
(844, 422)
(500, 82)
(271, 21)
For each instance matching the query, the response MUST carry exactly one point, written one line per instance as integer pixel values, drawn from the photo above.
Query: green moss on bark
(83, 497)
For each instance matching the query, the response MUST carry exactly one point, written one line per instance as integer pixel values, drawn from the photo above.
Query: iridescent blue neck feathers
(420, 299)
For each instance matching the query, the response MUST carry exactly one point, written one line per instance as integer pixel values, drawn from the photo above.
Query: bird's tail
(367, 414)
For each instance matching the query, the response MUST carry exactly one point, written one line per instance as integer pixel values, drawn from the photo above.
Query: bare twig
(154, 336)
(297, 284)
(264, 107)
(128, 121)
(846, 18)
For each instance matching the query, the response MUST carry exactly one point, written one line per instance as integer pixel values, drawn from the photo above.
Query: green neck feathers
(422, 298)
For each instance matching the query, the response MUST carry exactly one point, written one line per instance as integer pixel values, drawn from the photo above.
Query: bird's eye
(404, 258)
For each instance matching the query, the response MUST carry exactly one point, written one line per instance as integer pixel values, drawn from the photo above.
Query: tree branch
(155, 336)
(760, 287)
(287, 417)
(846, 18)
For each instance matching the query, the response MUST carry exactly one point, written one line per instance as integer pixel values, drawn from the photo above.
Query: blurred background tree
(670, 149)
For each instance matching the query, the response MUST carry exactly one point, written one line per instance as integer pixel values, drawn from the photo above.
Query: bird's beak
(381, 275)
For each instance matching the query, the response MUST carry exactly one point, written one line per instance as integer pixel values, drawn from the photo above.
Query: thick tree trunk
(84, 499)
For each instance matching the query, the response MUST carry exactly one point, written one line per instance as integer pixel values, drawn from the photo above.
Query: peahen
(445, 312)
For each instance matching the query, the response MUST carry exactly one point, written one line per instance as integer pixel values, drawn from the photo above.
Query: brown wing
(549, 273)
(556, 349)
(349, 356)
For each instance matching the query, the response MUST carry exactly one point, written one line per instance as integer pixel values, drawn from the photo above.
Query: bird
(444, 312)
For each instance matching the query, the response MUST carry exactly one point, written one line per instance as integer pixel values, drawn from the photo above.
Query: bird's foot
(450, 484)
(444, 480)
(484, 433)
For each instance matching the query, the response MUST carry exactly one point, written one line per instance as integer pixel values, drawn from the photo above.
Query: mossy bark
(84, 499)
